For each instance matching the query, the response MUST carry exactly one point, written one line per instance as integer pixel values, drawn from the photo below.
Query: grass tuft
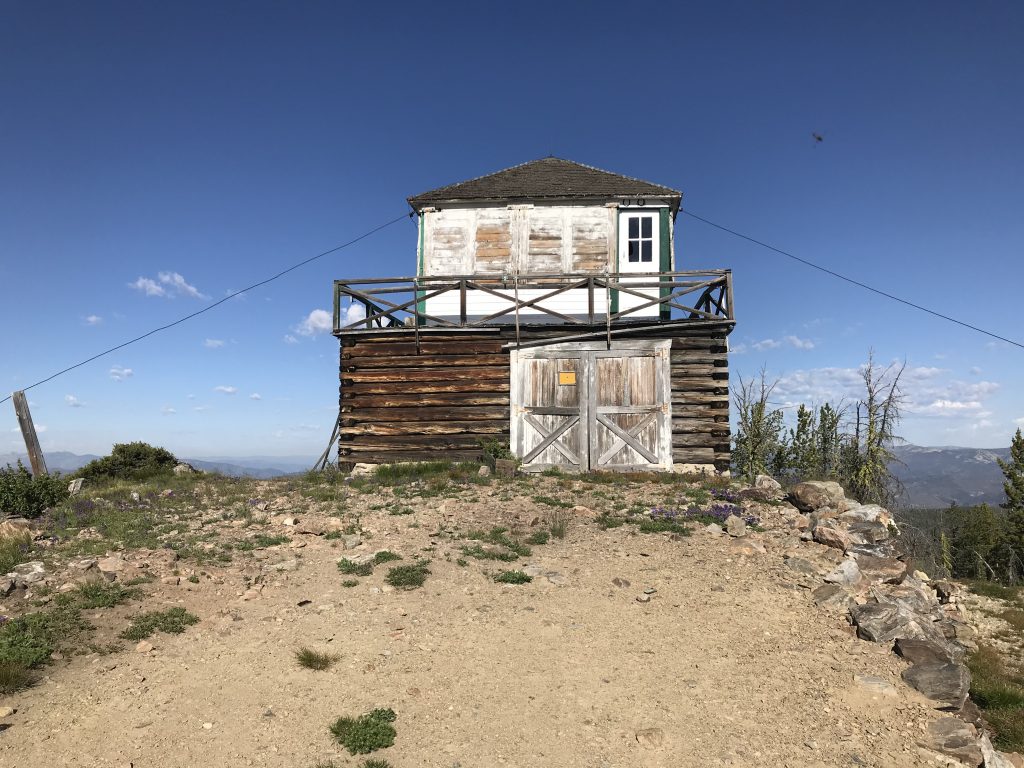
(510, 549)
(14, 677)
(558, 522)
(100, 595)
(1000, 694)
(407, 576)
(310, 659)
(14, 550)
(366, 733)
(172, 621)
(385, 556)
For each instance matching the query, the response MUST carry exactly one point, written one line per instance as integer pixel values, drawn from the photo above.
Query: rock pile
(852, 550)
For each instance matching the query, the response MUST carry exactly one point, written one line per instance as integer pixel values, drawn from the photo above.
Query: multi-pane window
(640, 239)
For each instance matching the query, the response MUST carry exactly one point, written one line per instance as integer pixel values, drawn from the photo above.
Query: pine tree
(1013, 471)
(804, 458)
(830, 441)
(757, 440)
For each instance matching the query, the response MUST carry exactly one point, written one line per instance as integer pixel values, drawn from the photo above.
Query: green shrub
(172, 621)
(130, 461)
(352, 568)
(310, 659)
(29, 640)
(496, 449)
(23, 494)
(385, 556)
(366, 733)
(407, 576)
(538, 537)
(513, 577)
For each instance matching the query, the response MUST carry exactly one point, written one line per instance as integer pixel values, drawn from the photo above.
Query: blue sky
(155, 156)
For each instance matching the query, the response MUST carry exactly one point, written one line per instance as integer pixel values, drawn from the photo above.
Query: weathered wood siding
(403, 403)
(549, 239)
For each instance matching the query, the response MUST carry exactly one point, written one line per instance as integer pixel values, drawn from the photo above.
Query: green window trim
(665, 259)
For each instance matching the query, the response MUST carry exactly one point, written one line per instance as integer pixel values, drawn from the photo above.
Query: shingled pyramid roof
(549, 177)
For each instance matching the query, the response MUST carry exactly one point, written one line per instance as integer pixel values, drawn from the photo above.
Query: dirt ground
(728, 663)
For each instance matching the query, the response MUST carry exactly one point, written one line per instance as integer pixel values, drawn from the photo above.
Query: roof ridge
(543, 172)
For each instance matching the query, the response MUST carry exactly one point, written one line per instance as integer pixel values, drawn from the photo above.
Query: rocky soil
(739, 645)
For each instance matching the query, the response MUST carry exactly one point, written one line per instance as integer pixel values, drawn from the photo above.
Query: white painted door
(639, 249)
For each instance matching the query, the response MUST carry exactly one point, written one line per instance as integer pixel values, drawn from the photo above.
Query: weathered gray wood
(28, 431)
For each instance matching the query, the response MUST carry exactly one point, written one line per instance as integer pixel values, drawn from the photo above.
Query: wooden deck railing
(402, 302)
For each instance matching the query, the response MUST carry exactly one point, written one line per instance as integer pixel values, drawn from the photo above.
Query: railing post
(462, 303)
(337, 305)
(590, 298)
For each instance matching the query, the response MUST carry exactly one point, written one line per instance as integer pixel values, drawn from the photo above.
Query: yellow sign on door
(567, 378)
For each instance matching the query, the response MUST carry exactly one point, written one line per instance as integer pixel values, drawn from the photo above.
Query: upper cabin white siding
(527, 240)
(523, 239)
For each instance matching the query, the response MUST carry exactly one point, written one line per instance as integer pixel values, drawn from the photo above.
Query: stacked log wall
(442, 398)
(700, 400)
(400, 402)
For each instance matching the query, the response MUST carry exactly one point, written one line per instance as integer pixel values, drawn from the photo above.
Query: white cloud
(975, 371)
(352, 313)
(190, 397)
(40, 428)
(168, 285)
(799, 343)
(289, 339)
(943, 407)
(213, 343)
(255, 396)
(926, 390)
(737, 349)
(178, 284)
(201, 408)
(168, 411)
(227, 390)
(93, 320)
(766, 344)
(148, 287)
(117, 373)
(73, 401)
(318, 321)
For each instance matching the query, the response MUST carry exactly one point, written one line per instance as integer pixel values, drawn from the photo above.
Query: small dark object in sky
(818, 138)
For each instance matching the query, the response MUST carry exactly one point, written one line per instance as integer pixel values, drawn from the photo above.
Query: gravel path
(728, 663)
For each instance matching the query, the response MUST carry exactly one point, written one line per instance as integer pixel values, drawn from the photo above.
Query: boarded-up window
(590, 238)
(493, 242)
(447, 243)
(544, 250)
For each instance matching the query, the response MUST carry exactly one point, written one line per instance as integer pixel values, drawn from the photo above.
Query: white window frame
(643, 214)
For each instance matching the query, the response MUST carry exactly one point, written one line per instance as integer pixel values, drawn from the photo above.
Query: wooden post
(28, 431)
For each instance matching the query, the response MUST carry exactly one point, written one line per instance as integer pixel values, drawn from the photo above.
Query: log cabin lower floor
(649, 397)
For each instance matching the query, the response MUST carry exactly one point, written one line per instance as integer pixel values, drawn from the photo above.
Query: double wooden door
(582, 406)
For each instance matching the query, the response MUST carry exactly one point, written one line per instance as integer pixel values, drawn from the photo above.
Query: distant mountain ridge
(932, 477)
(940, 476)
(260, 467)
